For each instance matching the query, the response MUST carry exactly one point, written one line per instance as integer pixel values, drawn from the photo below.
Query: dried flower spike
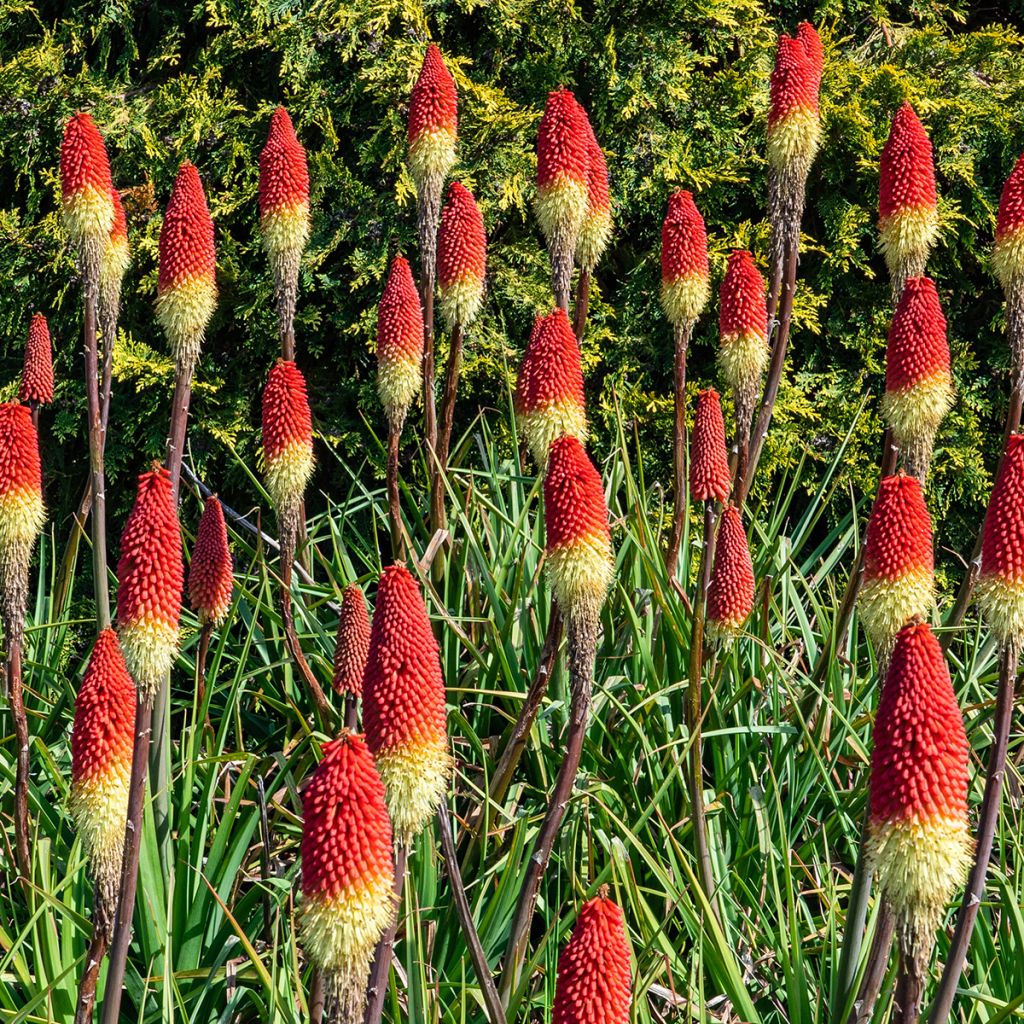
(150, 581)
(461, 257)
(731, 591)
(352, 644)
(404, 704)
(899, 567)
(1008, 254)
(593, 983)
(918, 383)
(86, 188)
(685, 288)
(347, 872)
(918, 842)
(709, 459)
(101, 766)
(399, 343)
(187, 283)
(210, 581)
(596, 230)
(37, 372)
(743, 327)
(549, 400)
(908, 221)
(1000, 589)
(794, 125)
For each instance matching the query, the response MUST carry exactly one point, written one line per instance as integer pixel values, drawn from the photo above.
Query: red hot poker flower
(287, 442)
(37, 373)
(709, 459)
(399, 343)
(347, 871)
(433, 121)
(209, 578)
(793, 122)
(151, 577)
(85, 186)
(808, 36)
(549, 399)
(352, 644)
(731, 591)
(594, 981)
(404, 704)
(114, 263)
(461, 257)
(1008, 255)
(743, 326)
(684, 260)
(596, 229)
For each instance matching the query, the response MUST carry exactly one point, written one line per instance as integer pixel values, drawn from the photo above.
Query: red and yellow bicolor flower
(1008, 254)
(21, 494)
(794, 124)
(710, 478)
(210, 580)
(433, 122)
(731, 590)
(596, 229)
(743, 330)
(399, 343)
(86, 187)
(685, 273)
(461, 257)
(37, 372)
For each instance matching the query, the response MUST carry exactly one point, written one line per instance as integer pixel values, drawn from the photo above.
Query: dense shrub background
(677, 92)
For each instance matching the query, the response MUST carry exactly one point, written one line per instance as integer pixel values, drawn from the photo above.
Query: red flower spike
(684, 260)
(151, 577)
(596, 229)
(593, 983)
(731, 591)
(1001, 583)
(461, 257)
(399, 343)
(187, 282)
(287, 441)
(549, 399)
(1008, 255)
(808, 36)
(433, 120)
(908, 220)
(37, 373)
(563, 160)
(347, 872)
(404, 704)
(743, 327)
(709, 458)
(580, 560)
(101, 765)
(919, 843)
(85, 186)
(918, 383)
(793, 122)
(899, 568)
(352, 644)
(114, 262)
(210, 581)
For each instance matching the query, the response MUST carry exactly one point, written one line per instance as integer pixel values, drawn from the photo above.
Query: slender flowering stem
(291, 638)
(99, 500)
(201, 652)
(394, 495)
(682, 332)
(910, 981)
(444, 435)
(21, 738)
(874, 970)
(579, 320)
(91, 975)
(377, 987)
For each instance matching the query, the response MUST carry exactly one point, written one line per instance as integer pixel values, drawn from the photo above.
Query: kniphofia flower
(808, 36)
(461, 257)
(86, 187)
(150, 580)
(187, 282)
(743, 327)
(593, 983)
(684, 261)
(114, 262)
(287, 442)
(347, 872)
(404, 704)
(794, 125)
(433, 121)
(596, 229)
(37, 372)
(549, 400)
(209, 576)
(352, 643)
(918, 382)
(101, 765)
(709, 459)
(1008, 254)
(399, 343)
(918, 842)
(731, 590)
(1001, 582)
(899, 576)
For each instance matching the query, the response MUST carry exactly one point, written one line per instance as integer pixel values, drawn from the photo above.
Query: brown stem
(291, 638)
(579, 322)
(987, 821)
(394, 496)
(495, 1011)
(203, 649)
(906, 1007)
(874, 972)
(316, 997)
(562, 253)
(91, 974)
(377, 986)
(96, 475)
(351, 713)
(683, 333)
(34, 412)
(129, 865)
(21, 737)
(288, 342)
(582, 649)
(439, 469)
(179, 425)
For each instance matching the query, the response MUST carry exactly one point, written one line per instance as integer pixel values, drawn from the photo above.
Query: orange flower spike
(580, 560)
(596, 229)
(399, 343)
(187, 282)
(794, 125)
(918, 842)
(593, 983)
(352, 644)
(685, 273)
(709, 458)
(86, 187)
(210, 580)
(731, 591)
(461, 257)
(347, 873)
(549, 399)
(404, 704)
(101, 765)
(1008, 254)
(743, 328)
(811, 41)
(899, 567)
(37, 372)
(1000, 589)
(908, 221)
(433, 122)
(150, 582)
